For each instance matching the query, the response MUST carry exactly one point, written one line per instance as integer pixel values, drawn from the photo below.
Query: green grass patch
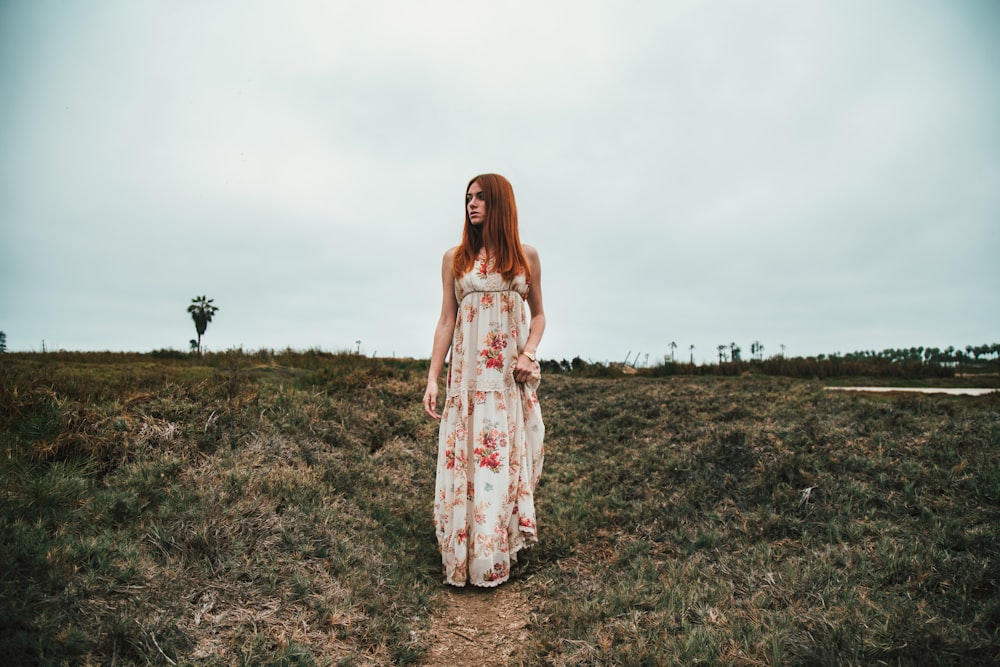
(275, 508)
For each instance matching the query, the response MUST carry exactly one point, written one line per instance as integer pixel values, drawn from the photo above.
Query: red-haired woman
(490, 441)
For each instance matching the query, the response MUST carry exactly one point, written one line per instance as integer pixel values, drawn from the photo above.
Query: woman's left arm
(524, 368)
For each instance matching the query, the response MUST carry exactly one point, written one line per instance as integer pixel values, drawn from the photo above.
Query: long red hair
(497, 233)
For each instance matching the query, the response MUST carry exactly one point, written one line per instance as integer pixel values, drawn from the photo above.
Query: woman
(490, 440)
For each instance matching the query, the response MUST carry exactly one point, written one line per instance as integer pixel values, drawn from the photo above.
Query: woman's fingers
(524, 371)
(430, 403)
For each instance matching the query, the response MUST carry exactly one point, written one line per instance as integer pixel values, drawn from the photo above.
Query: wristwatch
(529, 355)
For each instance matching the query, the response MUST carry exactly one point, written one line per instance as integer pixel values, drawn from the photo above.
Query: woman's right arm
(442, 334)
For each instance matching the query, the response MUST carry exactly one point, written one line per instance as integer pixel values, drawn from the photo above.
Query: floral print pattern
(491, 441)
(492, 352)
(490, 450)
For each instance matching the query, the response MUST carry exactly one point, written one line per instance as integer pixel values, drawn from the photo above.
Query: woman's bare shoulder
(449, 257)
(530, 252)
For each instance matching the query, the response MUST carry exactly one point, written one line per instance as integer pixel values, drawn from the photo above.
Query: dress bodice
(491, 329)
(482, 278)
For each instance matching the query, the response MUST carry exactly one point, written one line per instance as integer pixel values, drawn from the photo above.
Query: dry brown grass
(275, 509)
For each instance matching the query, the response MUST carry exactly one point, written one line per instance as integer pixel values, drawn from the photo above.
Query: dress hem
(494, 584)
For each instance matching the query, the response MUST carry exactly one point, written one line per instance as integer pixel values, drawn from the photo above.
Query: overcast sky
(823, 176)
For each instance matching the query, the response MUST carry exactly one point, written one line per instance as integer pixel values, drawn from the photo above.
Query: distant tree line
(913, 362)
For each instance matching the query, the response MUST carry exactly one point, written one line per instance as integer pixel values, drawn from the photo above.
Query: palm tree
(722, 352)
(201, 310)
(673, 346)
(692, 355)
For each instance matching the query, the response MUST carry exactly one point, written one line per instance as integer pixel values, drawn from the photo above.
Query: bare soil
(481, 627)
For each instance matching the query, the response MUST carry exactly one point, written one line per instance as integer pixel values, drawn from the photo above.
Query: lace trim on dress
(494, 282)
(482, 384)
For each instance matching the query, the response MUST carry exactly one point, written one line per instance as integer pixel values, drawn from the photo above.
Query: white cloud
(822, 175)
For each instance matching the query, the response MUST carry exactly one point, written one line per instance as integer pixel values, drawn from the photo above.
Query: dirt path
(480, 627)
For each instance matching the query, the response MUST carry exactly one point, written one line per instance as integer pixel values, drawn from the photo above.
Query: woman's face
(475, 203)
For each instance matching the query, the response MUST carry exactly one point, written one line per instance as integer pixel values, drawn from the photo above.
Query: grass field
(275, 509)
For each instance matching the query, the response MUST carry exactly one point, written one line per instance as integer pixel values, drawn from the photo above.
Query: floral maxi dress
(490, 442)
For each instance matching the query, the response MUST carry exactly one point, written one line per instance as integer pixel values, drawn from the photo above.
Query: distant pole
(359, 347)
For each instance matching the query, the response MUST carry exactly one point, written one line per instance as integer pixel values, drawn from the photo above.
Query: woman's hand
(430, 400)
(524, 368)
